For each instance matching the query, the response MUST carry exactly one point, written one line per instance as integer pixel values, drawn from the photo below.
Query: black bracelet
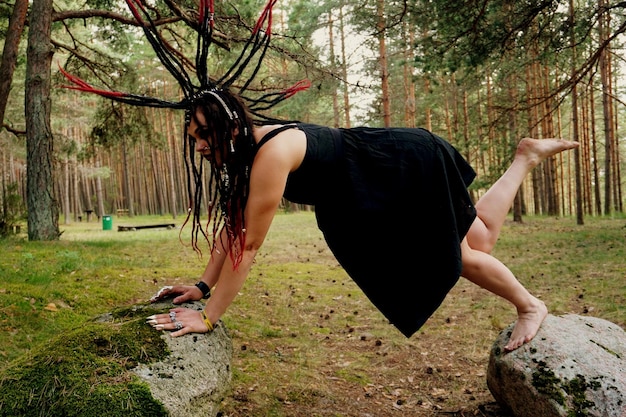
(206, 291)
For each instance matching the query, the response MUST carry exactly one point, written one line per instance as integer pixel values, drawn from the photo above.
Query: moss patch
(86, 372)
(547, 383)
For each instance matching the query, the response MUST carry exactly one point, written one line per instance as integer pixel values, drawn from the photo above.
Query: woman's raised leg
(488, 272)
(493, 207)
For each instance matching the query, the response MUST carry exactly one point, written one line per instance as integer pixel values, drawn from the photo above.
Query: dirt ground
(422, 391)
(309, 344)
(366, 368)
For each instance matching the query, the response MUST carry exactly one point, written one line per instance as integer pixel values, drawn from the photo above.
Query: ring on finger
(173, 316)
(178, 325)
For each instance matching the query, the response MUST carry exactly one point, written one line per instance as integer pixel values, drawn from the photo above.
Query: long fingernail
(152, 322)
(152, 317)
(159, 327)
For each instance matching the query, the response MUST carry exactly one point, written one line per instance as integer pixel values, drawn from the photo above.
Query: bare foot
(527, 325)
(536, 150)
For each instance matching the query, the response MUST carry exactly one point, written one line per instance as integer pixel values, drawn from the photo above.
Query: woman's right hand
(181, 294)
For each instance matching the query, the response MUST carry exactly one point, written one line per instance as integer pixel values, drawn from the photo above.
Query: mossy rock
(574, 367)
(87, 372)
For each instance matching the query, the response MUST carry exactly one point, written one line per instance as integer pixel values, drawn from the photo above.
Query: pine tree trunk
(43, 211)
(575, 126)
(617, 174)
(428, 125)
(333, 68)
(409, 84)
(518, 201)
(66, 190)
(606, 108)
(344, 70)
(172, 157)
(382, 59)
(10, 51)
(99, 191)
(127, 174)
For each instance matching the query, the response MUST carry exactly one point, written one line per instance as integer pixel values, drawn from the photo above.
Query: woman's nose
(202, 146)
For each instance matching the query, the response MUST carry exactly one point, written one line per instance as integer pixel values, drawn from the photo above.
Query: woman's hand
(179, 321)
(184, 292)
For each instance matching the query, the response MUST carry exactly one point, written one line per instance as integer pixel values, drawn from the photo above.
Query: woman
(385, 200)
(392, 203)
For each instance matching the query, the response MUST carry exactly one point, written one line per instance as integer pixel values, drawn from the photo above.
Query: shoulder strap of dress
(271, 134)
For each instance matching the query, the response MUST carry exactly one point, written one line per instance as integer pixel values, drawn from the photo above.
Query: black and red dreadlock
(223, 111)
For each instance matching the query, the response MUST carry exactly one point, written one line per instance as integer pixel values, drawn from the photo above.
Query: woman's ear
(236, 129)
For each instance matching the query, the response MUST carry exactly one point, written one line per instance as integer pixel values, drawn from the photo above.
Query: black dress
(393, 207)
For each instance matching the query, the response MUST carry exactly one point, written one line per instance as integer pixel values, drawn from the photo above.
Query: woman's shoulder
(281, 142)
(264, 133)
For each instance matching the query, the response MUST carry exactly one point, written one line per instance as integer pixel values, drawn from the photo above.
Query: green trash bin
(107, 222)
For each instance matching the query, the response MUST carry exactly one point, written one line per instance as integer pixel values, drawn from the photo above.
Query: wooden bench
(167, 226)
(122, 212)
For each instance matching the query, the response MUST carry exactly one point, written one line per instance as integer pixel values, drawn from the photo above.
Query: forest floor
(346, 367)
(307, 342)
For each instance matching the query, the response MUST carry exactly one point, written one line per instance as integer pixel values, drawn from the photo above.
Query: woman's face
(205, 143)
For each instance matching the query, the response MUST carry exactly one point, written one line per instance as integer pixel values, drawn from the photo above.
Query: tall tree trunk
(9, 53)
(127, 174)
(409, 84)
(552, 202)
(533, 117)
(382, 59)
(585, 153)
(606, 108)
(617, 173)
(428, 124)
(173, 156)
(491, 145)
(43, 212)
(333, 67)
(99, 191)
(66, 190)
(518, 201)
(466, 123)
(344, 69)
(575, 128)
(594, 150)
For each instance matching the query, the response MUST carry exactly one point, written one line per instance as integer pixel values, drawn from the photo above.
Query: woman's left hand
(179, 321)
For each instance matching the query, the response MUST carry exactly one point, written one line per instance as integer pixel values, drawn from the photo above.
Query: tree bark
(99, 191)
(127, 173)
(408, 74)
(575, 126)
(344, 69)
(43, 211)
(384, 69)
(333, 65)
(9, 53)
(606, 108)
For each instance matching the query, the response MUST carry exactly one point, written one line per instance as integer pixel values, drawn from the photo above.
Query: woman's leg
(493, 207)
(491, 274)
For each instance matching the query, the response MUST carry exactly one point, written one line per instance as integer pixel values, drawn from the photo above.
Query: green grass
(305, 337)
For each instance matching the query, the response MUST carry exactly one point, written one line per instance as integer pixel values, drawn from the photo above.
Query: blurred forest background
(481, 74)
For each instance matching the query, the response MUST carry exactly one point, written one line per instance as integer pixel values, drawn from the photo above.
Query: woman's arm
(210, 276)
(267, 184)
(211, 273)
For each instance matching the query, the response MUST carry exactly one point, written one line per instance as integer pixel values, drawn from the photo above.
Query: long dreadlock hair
(224, 111)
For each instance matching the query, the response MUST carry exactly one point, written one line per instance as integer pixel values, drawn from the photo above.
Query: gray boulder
(194, 379)
(117, 365)
(574, 367)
